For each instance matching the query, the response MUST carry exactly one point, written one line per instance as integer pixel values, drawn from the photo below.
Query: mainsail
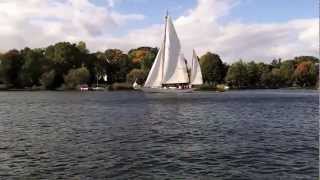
(196, 75)
(174, 69)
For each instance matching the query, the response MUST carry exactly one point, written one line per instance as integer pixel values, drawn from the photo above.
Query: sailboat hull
(168, 90)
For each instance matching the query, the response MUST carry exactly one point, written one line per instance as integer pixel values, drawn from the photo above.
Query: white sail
(180, 74)
(154, 78)
(135, 84)
(105, 77)
(196, 75)
(174, 67)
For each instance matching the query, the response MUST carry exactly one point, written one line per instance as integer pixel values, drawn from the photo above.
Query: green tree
(237, 75)
(76, 77)
(82, 47)
(224, 71)
(47, 79)
(1, 71)
(63, 57)
(33, 67)
(11, 65)
(119, 63)
(212, 68)
(266, 79)
(253, 74)
(265, 75)
(286, 71)
(147, 62)
(276, 78)
(136, 74)
(271, 79)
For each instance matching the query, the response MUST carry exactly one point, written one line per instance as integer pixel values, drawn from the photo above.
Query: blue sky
(249, 29)
(275, 10)
(246, 11)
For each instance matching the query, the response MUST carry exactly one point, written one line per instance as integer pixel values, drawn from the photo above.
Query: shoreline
(198, 90)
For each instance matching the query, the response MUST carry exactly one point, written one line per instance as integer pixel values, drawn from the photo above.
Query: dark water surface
(263, 134)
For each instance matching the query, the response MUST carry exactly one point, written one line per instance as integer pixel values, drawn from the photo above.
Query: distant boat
(169, 72)
(84, 87)
(136, 85)
(98, 88)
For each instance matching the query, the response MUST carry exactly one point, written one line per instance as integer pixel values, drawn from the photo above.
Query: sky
(259, 30)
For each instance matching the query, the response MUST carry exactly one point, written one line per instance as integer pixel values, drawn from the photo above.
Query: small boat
(169, 72)
(84, 87)
(97, 87)
(136, 86)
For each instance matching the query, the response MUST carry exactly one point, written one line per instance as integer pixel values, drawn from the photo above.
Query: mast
(191, 69)
(192, 60)
(188, 72)
(164, 44)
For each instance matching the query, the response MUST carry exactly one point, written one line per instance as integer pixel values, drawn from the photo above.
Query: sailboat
(169, 72)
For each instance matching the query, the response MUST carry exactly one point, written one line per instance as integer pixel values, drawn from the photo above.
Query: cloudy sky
(249, 29)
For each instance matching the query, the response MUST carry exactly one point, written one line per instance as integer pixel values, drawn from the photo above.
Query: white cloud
(37, 23)
(200, 29)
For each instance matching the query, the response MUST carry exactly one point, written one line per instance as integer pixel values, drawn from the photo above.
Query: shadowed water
(263, 134)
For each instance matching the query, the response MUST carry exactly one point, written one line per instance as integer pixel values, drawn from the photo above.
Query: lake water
(258, 134)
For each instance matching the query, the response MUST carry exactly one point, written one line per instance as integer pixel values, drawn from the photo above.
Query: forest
(65, 66)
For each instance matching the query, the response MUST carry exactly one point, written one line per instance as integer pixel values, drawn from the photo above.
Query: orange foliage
(139, 55)
(303, 68)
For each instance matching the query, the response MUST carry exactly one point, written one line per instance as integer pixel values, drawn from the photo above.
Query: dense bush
(300, 73)
(75, 77)
(207, 87)
(47, 79)
(136, 75)
(120, 86)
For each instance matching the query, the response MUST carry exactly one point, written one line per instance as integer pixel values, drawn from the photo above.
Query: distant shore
(124, 87)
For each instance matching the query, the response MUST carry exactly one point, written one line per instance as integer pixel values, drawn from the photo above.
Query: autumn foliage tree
(305, 74)
(143, 57)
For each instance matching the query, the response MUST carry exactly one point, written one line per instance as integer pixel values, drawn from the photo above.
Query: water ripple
(131, 135)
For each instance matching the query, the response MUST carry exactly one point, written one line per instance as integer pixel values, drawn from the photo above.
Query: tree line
(302, 71)
(65, 66)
